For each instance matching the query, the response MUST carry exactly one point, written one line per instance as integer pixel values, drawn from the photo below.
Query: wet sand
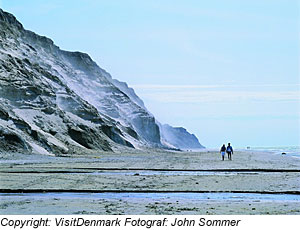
(151, 172)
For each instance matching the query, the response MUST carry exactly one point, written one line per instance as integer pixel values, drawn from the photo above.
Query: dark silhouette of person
(222, 151)
(229, 151)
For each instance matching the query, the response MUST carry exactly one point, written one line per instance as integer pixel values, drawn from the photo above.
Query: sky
(227, 71)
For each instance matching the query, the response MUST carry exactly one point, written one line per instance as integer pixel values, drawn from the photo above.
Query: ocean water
(289, 150)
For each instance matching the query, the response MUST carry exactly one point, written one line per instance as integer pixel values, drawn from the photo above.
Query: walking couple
(228, 150)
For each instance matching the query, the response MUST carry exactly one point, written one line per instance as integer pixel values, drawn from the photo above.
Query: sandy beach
(151, 182)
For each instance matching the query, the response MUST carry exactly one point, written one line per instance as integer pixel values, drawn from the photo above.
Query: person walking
(229, 151)
(222, 151)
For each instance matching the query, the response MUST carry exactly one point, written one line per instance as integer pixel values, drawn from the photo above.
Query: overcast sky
(225, 70)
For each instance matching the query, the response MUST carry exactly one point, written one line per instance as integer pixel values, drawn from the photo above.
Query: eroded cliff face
(59, 102)
(178, 137)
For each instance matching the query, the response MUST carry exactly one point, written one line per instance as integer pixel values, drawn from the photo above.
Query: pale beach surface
(151, 182)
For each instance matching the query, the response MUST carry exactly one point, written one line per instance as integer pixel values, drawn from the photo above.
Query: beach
(151, 182)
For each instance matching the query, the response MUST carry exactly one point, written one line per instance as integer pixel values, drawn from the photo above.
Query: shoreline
(271, 150)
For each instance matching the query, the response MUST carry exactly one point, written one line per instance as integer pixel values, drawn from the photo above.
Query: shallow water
(254, 197)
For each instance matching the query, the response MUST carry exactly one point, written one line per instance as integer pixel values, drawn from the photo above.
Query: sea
(288, 150)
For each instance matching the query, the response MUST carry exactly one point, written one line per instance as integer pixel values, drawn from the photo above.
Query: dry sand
(90, 174)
